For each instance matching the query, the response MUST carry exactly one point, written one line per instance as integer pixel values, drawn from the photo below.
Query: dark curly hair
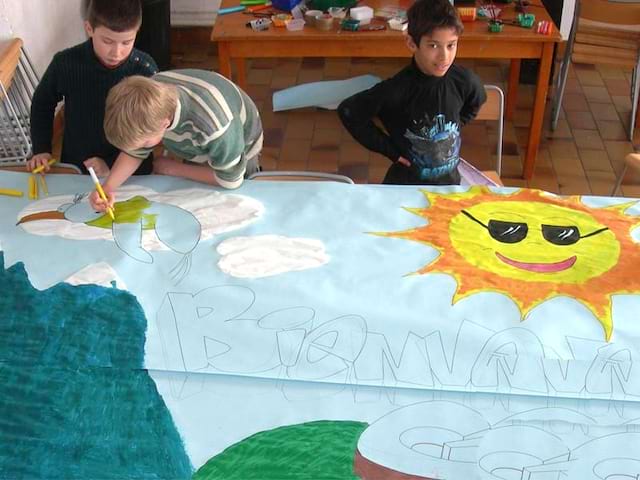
(424, 16)
(116, 15)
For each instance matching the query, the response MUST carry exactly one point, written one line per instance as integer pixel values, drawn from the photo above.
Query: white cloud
(97, 274)
(216, 212)
(267, 255)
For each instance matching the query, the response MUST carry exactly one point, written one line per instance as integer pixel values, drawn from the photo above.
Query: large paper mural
(319, 330)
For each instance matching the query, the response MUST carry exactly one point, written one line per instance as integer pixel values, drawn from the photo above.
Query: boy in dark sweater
(423, 106)
(82, 76)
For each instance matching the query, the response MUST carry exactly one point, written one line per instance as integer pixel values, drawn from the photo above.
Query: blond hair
(138, 107)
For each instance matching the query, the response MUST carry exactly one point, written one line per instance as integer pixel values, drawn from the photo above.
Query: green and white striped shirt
(215, 122)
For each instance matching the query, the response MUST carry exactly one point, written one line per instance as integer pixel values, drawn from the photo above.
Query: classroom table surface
(234, 26)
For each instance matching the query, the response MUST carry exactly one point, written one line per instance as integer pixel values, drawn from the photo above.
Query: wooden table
(237, 42)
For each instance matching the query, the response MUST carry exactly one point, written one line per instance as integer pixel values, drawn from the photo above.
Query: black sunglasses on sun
(514, 232)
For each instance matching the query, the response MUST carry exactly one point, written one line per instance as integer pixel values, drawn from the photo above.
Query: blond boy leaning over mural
(197, 115)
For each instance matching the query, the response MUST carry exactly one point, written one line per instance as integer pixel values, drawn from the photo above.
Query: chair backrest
(9, 61)
(67, 168)
(493, 109)
(606, 33)
(614, 13)
(18, 81)
(300, 176)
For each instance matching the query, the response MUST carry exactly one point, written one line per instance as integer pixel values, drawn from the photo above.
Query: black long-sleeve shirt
(77, 76)
(422, 116)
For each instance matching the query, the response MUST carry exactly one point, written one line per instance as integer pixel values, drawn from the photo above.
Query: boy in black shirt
(82, 76)
(423, 106)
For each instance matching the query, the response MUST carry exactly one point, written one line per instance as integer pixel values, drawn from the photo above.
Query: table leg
(241, 72)
(537, 116)
(224, 60)
(512, 88)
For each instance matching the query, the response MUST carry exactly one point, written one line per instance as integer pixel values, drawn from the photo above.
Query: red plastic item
(544, 27)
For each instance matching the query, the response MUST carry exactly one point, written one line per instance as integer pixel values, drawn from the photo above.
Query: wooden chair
(631, 160)
(605, 33)
(67, 168)
(300, 176)
(18, 81)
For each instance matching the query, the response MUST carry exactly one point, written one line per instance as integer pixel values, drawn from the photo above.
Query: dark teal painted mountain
(75, 401)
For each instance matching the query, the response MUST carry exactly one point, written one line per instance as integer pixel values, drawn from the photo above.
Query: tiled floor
(581, 156)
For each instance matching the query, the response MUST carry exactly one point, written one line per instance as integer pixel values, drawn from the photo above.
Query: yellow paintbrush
(41, 167)
(103, 196)
(11, 192)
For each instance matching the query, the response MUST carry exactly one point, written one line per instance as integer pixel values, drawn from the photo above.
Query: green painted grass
(318, 450)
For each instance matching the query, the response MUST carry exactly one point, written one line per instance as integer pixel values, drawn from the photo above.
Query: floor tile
(597, 94)
(603, 111)
(581, 120)
(574, 102)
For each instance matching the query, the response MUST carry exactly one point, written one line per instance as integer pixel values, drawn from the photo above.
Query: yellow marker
(33, 188)
(43, 183)
(11, 192)
(100, 191)
(41, 167)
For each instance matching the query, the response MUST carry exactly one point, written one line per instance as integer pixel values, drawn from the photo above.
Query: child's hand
(98, 204)
(166, 166)
(404, 161)
(99, 166)
(39, 160)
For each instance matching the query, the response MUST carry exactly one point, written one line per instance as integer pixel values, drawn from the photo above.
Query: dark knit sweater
(421, 116)
(76, 76)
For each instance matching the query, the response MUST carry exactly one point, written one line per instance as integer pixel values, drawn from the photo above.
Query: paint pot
(338, 12)
(311, 15)
(397, 24)
(324, 22)
(364, 14)
(295, 24)
(280, 19)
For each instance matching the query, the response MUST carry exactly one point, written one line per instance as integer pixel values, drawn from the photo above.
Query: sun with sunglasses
(531, 246)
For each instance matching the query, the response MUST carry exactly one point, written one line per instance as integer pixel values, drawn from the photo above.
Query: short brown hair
(424, 16)
(136, 108)
(116, 15)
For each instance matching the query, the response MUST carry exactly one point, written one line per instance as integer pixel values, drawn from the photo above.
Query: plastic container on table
(295, 24)
(364, 14)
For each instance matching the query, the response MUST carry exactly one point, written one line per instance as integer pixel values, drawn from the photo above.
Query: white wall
(194, 12)
(45, 26)
(568, 7)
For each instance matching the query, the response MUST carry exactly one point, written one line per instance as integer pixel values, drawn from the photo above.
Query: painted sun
(531, 246)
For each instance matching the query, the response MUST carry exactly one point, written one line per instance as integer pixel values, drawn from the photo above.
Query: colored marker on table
(103, 196)
(43, 183)
(41, 167)
(33, 188)
(224, 11)
(11, 192)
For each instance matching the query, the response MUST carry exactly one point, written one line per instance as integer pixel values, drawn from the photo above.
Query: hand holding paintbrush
(103, 196)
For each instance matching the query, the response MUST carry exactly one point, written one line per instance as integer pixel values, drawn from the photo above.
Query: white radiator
(186, 13)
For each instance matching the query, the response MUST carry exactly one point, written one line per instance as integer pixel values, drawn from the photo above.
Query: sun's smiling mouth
(539, 267)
